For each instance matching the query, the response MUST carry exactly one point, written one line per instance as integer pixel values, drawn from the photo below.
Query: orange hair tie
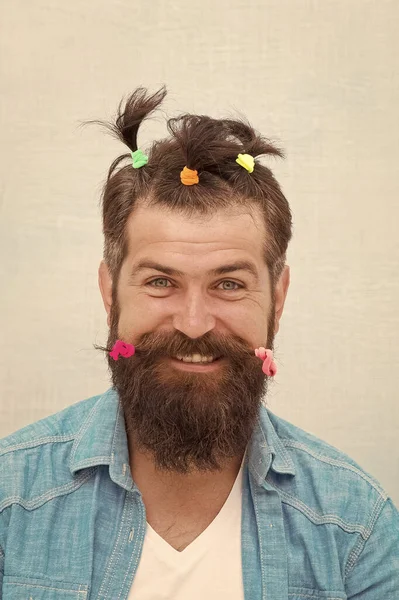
(189, 176)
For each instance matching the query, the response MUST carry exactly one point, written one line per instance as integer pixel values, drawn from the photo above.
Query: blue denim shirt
(314, 524)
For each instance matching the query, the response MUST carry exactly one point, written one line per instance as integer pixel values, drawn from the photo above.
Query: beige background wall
(321, 77)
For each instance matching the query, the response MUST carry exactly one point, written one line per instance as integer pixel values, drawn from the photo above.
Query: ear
(280, 295)
(105, 284)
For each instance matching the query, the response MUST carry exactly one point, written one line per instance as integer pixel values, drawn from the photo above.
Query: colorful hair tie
(269, 367)
(139, 159)
(189, 176)
(247, 161)
(122, 349)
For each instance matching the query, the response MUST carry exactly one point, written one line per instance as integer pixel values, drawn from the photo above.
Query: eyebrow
(240, 265)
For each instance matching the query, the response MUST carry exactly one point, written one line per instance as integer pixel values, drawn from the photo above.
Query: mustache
(158, 344)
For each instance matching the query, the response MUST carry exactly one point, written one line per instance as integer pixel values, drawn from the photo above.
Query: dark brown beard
(189, 420)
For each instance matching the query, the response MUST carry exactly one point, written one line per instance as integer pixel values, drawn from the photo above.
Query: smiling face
(192, 285)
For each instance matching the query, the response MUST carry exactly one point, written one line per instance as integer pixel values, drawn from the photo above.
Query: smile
(192, 366)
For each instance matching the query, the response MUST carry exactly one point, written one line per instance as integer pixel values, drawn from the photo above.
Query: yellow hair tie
(247, 161)
(189, 176)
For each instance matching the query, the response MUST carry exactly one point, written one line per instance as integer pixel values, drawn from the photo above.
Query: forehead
(156, 230)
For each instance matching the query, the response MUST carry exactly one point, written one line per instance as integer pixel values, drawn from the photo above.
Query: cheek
(132, 319)
(138, 313)
(251, 322)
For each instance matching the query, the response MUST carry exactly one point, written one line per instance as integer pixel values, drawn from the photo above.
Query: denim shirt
(314, 524)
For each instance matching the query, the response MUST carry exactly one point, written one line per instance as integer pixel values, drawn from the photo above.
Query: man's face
(191, 416)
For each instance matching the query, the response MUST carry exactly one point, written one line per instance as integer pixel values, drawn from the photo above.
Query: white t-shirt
(207, 569)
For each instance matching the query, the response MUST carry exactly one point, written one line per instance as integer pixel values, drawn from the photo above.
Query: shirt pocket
(23, 588)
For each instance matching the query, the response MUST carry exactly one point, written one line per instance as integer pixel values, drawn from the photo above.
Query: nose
(194, 317)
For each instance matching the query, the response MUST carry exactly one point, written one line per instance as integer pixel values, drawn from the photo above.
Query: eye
(231, 289)
(157, 279)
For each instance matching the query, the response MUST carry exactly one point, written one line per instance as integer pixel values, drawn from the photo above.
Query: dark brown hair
(207, 145)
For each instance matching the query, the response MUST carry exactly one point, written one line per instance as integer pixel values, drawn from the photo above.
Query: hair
(207, 145)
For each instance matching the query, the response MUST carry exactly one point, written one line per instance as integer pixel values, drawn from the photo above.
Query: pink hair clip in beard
(122, 349)
(269, 367)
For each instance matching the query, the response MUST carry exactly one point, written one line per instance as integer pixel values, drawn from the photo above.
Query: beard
(186, 420)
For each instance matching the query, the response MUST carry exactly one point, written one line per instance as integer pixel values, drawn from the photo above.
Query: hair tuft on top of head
(203, 141)
(254, 143)
(132, 112)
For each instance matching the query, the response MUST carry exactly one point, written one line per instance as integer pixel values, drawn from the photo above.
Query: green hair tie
(139, 159)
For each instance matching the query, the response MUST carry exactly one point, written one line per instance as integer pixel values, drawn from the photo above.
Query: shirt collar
(102, 440)
(266, 450)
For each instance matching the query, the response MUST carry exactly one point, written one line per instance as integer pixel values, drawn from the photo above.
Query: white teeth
(196, 358)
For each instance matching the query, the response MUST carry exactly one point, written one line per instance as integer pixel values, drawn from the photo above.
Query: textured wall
(321, 77)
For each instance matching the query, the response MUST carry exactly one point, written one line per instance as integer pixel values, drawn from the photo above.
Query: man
(178, 482)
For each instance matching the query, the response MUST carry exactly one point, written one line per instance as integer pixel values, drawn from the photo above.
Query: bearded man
(178, 482)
